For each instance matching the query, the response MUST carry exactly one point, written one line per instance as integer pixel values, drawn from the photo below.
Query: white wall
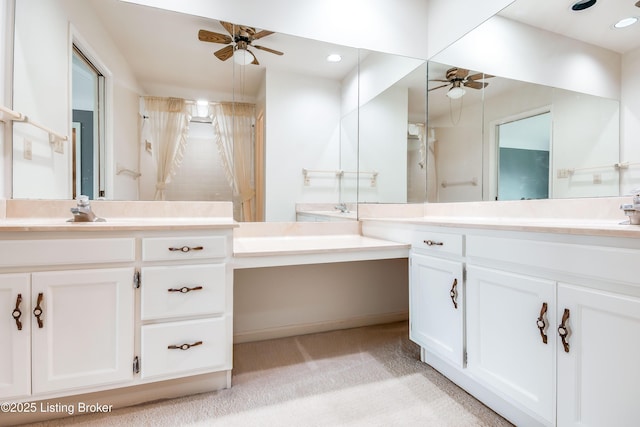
(567, 63)
(41, 38)
(383, 147)
(302, 131)
(458, 154)
(6, 30)
(448, 20)
(586, 134)
(44, 31)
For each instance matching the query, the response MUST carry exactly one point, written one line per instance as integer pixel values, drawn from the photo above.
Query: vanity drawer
(209, 347)
(429, 242)
(18, 253)
(178, 291)
(605, 263)
(182, 248)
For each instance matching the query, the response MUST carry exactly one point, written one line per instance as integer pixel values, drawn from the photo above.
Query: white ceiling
(163, 50)
(593, 25)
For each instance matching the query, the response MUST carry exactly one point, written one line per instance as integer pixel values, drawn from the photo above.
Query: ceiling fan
(239, 39)
(458, 79)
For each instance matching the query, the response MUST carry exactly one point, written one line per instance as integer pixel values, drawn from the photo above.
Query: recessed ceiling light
(583, 4)
(334, 57)
(625, 22)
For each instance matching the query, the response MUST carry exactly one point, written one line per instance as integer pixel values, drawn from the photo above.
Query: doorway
(88, 97)
(524, 147)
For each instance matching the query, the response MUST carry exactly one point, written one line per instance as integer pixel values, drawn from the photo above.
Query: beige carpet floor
(368, 376)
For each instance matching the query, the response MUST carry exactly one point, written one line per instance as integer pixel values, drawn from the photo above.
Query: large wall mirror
(530, 105)
(320, 135)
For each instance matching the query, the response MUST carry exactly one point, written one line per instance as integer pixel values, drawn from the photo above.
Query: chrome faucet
(632, 210)
(82, 212)
(342, 207)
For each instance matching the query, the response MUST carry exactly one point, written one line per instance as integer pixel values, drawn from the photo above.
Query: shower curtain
(233, 125)
(165, 128)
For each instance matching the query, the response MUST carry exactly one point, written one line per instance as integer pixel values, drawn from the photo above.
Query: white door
(599, 370)
(436, 307)
(15, 336)
(506, 350)
(84, 336)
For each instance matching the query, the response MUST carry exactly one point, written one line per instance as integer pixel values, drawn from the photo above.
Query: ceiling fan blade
(210, 36)
(224, 53)
(456, 73)
(479, 76)
(475, 85)
(437, 87)
(268, 50)
(262, 34)
(228, 26)
(439, 80)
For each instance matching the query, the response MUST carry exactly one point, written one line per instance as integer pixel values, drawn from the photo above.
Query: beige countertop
(297, 245)
(575, 226)
(116, 224)
(52, 215)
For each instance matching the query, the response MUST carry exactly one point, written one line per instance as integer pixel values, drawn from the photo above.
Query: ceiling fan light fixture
(242, 57)
(456, 92)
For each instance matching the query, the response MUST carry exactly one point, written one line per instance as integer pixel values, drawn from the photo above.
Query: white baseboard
(324, 326)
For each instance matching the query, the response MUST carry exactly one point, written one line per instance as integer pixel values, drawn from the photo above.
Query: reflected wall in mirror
(301, 122)
(526, 67)
(577, 142)
(393, 145)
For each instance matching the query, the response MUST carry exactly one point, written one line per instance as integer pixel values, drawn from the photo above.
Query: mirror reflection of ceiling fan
(458, 79)
(239, 39)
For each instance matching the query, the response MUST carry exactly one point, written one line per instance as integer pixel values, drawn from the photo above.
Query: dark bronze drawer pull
(541, 323)
(453, 293)
(563, 330)
(184, 289)
(184, 346)
(38, 310)
(16, 314)
(432, 243)
(186, 249)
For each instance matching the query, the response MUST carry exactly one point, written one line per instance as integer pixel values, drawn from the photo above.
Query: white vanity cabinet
(436, 295)
(94, 310)
(587, 372)
(522, 295)
(511, 337)
(67, 326)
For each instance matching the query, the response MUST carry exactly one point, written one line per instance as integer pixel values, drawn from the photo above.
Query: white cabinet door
(15, 336)
(506, 350)
(599, 369)
(436, 307)
(84, 336)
